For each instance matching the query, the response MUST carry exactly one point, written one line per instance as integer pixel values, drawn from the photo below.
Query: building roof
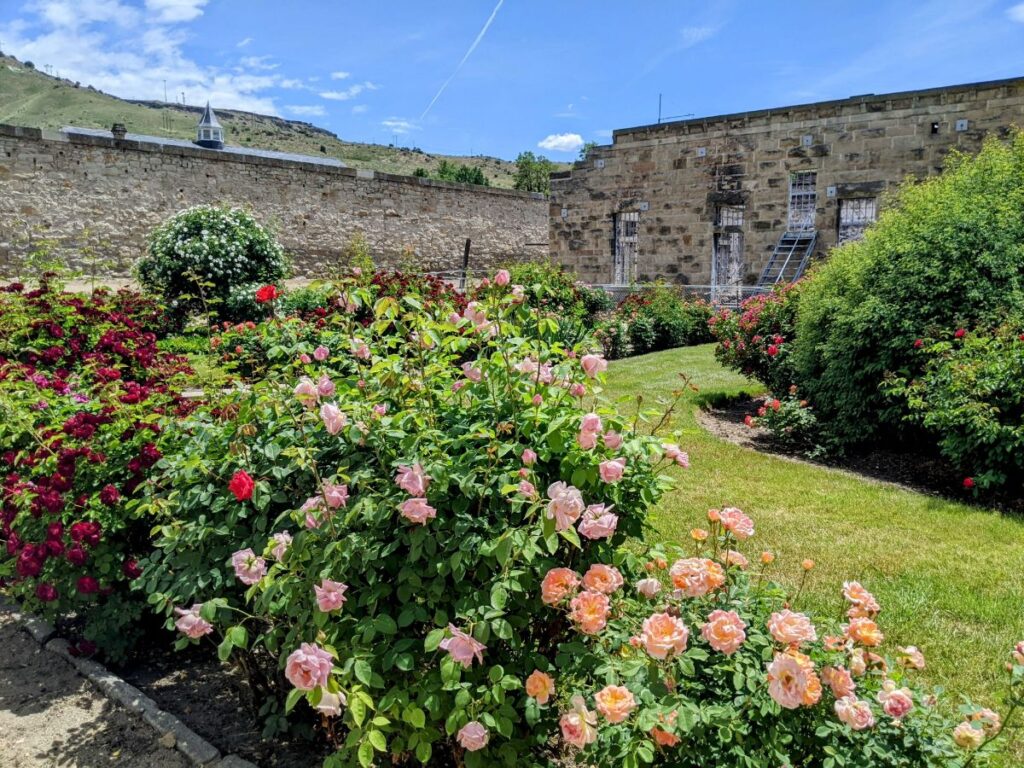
(209, 118)
(241, 151)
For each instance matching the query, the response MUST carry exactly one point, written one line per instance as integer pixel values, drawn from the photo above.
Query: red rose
(87, 585)
(968, 483)
(76, 555)
(267, 293)
(960, 333)
(47, 592)
(109, 495)
(131, 568)
(773, 350)
(241, 485)
(918, 343)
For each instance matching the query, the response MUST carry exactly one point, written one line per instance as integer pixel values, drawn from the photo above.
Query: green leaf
(364, 672)
(414, 716)
(365, 754)
(424, 751)
(293, 698)
(357, 708)
(378, 741)
(433, 640)
(499, 597)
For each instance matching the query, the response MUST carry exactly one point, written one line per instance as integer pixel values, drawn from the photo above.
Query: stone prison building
(751, 198)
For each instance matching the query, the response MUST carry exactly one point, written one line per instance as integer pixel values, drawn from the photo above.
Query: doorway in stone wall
(627, 230)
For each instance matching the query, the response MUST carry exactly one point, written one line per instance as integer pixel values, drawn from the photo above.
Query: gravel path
(52, 716)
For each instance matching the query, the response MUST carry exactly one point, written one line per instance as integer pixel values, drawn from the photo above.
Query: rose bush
(416, 539)
(656, 318)
(82, 390)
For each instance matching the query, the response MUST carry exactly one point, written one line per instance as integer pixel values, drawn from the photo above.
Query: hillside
(34, 99)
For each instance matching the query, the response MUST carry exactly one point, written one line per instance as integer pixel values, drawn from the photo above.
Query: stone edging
(196, 749)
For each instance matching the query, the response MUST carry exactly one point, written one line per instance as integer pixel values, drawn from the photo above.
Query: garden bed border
(195, 748)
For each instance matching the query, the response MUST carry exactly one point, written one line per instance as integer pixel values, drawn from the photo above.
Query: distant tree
(533, 173)
(29, 65)
(446, 171)
(471, 174)
(421, 173)
(585, 149)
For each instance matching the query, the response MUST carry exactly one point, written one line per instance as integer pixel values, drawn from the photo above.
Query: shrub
(445, 595)
(201, 255)
(660, 317)
(757, 339)
(970, 395)
(949, 253)
(790, 420)
(80, 407)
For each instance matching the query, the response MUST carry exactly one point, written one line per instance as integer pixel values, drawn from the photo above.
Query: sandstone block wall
(97, 197)
(678, 176)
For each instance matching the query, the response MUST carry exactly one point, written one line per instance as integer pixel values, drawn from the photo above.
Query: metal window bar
(856, 215)
(729, 216)
(802, 200)
(627, 237)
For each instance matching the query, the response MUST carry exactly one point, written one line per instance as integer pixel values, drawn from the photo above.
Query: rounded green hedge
(949, 253)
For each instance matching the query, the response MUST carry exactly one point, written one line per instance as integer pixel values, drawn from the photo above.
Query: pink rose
(587, 440)
(336, 495)
(537, 400)
(611, 470)
(529, 457)
(896, 702)
(579, 726)
(334, 420)
(305, 359)
(282, 541)
(305, 392)
(791, 628)
(330, 595)
(527, 489)
(565, 505)
(724, 631)
(321, 353)
(312, 505)
(577, 390)
(737, 523)
(331, 703)
(590, 423)
(663, 635)
(598, 522)
(308, 667)
(462, 647)
(854, 713)
(502, 277)
(593, 365)
(413, 480)
(248, 567)
(325, 387)
(471, 373)
(612, 441)
(648, 587)
(672, 453)
(360, 350)
(380, 409)
(416, 510)
(473, 735)
(191, 624)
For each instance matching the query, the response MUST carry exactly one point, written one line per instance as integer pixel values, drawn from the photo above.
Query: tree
(585, 149)
(533, 173)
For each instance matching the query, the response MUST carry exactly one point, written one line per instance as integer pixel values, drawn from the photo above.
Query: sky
(497, 77)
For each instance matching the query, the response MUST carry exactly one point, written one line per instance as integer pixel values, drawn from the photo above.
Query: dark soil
(214, 701)
(918, 470)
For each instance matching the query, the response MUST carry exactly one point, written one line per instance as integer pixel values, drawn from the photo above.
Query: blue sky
(540, 75)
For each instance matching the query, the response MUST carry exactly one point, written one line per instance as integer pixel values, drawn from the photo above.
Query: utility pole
(659, 107)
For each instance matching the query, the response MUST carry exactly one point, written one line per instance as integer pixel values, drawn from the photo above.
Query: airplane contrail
(472, 48)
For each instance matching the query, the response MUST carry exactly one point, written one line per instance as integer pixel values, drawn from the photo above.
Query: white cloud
(349, 93)
(561, 142)
(399, 125)
(174, 11)
(312, 110)
(244, 42)
(340, 75)
(258, 62)
(293, 84)
(1016, 12)
(691, 36)
(359, 109)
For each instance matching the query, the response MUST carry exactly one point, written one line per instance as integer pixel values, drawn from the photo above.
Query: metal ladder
(789, 259)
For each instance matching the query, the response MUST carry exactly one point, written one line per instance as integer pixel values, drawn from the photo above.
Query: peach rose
(736, 559)
(990, 721)
(911, 657)
(540, 686)
(602, 578)
(862, 602)
(724, 631)
(1018, 653)
(792, 681)
(737, 523)
(791, 628)
(463, 647)
(558, 584)
(968, 735)
(767, 558)
(589, 610)
(614, 702)
(663, 634)
(863, 631)
(473, 736)
(308, 667)
(664, 738)
(330, 595)
(611, 471)
(698, 534)
(579, 727)
(896, 702)
(695, 576)
(839, 680)
(565, 505)
(855, 713)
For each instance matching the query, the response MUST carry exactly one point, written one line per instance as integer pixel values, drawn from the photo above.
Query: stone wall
(684, 180)
(97, 197)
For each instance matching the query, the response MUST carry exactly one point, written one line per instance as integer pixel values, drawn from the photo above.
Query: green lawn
(950, 577)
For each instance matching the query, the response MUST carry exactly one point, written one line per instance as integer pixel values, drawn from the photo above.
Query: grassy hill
(34, 99)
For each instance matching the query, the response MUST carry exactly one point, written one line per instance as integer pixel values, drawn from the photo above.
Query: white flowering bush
(201, 255)
(424, 539)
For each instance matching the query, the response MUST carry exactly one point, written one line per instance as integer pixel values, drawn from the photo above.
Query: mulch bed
(920, 471)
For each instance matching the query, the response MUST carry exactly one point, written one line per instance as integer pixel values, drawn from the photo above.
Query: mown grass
(949, 576)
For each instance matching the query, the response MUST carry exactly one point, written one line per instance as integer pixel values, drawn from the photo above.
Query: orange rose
(863, 631)
(558, 584)
(540, 686)
(615, 703)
